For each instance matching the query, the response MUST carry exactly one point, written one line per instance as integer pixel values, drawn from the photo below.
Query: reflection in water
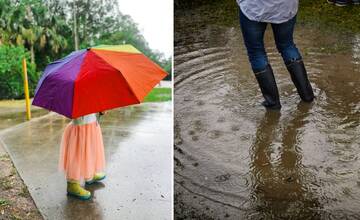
(356, 52)
(356, 47)
(10, 117)
(113, 134)
(279, 188)
(76, 209)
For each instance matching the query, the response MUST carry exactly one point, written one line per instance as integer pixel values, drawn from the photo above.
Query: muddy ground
(15, 200)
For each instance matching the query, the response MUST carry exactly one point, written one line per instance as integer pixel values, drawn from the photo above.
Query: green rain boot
(97, 177)
(74, 189)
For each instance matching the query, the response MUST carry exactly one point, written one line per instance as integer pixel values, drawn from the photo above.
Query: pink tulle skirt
(82, 151)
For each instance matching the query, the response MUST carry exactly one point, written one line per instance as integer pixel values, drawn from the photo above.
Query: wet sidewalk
(12, 112)
(164, 84)
(138, 183)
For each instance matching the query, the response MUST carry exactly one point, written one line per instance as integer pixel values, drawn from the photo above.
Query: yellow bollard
(26, 90)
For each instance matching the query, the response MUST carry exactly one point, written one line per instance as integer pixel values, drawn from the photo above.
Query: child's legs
(283, 34)
(253, 35)
(82, 152)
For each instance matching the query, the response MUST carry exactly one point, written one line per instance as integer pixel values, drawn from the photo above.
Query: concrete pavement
(138, 150)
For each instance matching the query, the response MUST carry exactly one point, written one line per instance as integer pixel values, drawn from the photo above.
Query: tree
(49, 29)
(11, 81)
(31, 25)
(5, 11)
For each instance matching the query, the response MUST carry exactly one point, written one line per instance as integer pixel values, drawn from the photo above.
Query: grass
(15, 217)
(24, 192)
(327, 16)
(4, 202)
(159, 95)
(4, 157)
(318, 13)
(5, 184)
(12, 103)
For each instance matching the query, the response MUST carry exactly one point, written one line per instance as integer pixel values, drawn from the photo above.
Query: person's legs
(269, 90)
(82, 157)
(68, 163)
(283, 34)
(253, 35)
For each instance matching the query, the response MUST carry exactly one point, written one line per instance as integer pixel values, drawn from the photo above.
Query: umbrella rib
(129, 87)
(119, 71)
(65, 62)
(50, 73)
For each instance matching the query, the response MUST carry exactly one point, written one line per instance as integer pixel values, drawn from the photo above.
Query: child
(82, 154)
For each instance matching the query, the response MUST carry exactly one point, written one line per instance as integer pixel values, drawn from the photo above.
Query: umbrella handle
(98, 116)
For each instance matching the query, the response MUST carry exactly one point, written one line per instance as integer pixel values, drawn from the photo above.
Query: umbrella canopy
(97, 79)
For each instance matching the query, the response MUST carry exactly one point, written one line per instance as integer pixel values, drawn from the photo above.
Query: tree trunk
(32, 54)
(86, 16)
(76, 37)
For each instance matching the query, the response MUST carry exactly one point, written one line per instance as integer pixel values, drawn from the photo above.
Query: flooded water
(12, 116)
(235, 160)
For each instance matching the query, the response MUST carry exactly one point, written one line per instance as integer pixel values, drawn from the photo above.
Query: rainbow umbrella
(97, 79)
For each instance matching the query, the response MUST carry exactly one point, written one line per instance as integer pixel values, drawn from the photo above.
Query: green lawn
(318, 13)
(12, 103)
(159, 95)
(328, 16)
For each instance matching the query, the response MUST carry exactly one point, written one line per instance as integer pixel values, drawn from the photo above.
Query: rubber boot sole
(94, 181)
(84, 198)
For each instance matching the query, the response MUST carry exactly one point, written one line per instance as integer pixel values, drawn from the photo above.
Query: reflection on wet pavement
(10, 116)
(137, 143)
(235, 160)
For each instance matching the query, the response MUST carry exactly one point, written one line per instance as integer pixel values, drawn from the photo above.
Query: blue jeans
(253, 35)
